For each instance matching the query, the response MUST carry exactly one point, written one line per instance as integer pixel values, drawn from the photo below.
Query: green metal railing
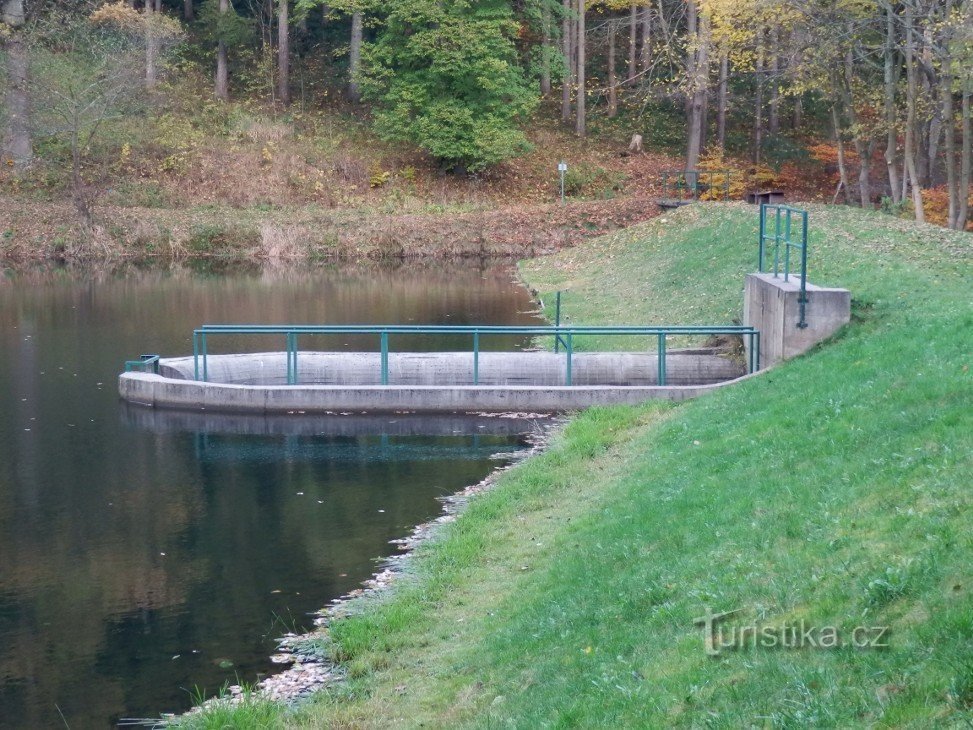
(566, 335)
(145, 363)
(688, 184)
(781, 233)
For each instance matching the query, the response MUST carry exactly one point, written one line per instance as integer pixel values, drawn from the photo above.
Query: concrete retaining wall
(772, 306)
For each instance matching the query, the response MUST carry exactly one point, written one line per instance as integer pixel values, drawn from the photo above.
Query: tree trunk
(963, 213)
(612, 82)
(78, 194)
(773, 115)
(863, 148)
(633, 27)
(912, 92)
(646, 54)
(798, 113)
(222, 84)
(566, 50)
(697, 66)
(891, 145)
(546, 50)
(354, 56)
(758, 104)
(17, 147)
(151, 47)
(722, 100)
(188, 11)
(933, 171)
(283, 53)
(949, 134)
(579, 121)
(840, 142)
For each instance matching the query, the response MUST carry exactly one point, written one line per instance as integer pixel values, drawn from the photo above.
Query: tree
(580, 119)
(567, 50)
(222, 25)
(697, 79)
(86, 74)
(16, 149)
(354, 56)
(444, 75)
(283, 53)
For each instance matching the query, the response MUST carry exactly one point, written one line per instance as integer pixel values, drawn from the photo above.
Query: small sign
(562, 167)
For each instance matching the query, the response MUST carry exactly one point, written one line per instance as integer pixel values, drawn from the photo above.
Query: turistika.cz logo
(718, 636)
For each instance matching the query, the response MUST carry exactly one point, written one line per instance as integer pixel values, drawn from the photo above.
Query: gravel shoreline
(309, 672)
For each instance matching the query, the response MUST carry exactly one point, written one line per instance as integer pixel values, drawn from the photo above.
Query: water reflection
(140, 550)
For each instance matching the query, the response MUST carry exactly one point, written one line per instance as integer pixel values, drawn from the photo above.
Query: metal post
(287, 353)
(205, 363)
(662, 358)
(557, 321)
(569, 348)
(385, 358)
(476, 358)
(562, 168)
(777, 243)
(756, 350)
(762, 234)
(294, 378)
(787, 246)
(803, 300)
(195, 354)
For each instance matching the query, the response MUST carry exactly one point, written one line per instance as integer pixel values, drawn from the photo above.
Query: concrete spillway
(693, 367)
(426, 382)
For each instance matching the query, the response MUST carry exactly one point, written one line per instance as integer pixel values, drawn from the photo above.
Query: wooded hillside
(876, 91)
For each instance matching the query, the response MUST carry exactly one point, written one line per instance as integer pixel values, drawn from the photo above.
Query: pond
(145, 554)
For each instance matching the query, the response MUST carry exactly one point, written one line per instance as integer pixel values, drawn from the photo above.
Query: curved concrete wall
(158, 391)
(696, 367)
(425, 382)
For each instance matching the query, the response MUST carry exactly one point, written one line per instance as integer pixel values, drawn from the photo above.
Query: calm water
(141, 550)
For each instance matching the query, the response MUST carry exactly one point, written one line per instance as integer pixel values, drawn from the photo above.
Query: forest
(876, 93)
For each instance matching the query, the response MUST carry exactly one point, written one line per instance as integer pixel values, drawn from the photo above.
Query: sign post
(562, 168)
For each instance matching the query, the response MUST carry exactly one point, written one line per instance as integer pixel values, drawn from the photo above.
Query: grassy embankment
(835, 489)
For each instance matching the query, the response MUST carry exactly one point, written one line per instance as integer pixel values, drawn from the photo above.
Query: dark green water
(139, 550)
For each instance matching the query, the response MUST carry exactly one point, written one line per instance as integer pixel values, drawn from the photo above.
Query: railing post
(787, 246)
(476, 357)
(761, 236)
(294, 377)
(662, 358)
(557, 321)
(569, 348)
(287, 356)
(195, 354)
(385, 358)
(205, 362)
(803, 300)
(777, 242)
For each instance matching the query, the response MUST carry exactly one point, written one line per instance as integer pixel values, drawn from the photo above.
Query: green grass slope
(833, 490)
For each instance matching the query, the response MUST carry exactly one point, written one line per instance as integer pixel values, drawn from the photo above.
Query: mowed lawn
(835, 490)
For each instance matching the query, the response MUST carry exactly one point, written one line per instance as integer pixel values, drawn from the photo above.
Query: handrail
(564, 334)
(142, 363)
(782, 232)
